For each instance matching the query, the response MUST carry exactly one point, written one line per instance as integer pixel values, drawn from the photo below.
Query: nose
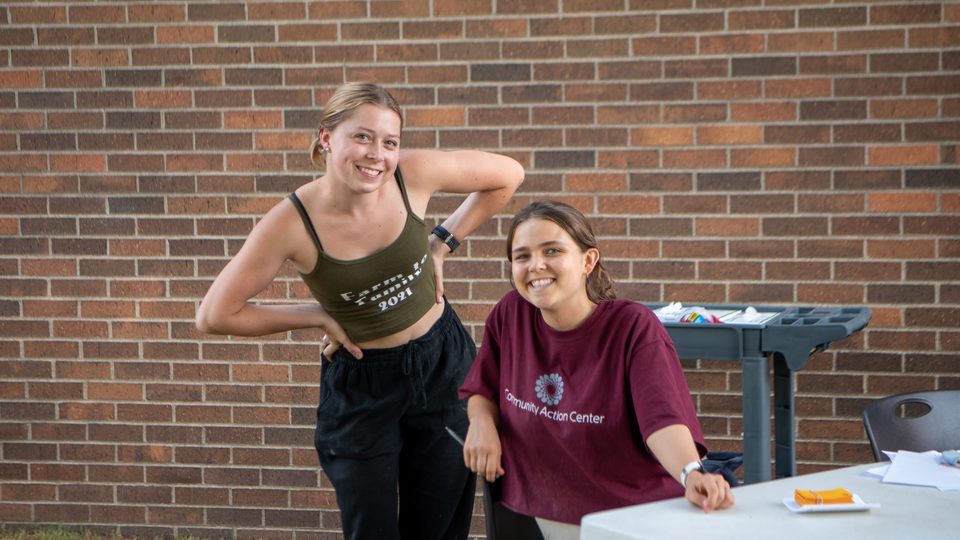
(373, 152)
(536, 263)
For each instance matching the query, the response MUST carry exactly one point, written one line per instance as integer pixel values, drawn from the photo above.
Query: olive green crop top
(379, 294)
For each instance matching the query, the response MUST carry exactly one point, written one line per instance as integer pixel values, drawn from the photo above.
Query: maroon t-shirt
(577, 405)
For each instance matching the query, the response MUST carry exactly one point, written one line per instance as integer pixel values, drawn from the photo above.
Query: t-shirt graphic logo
(550, 388)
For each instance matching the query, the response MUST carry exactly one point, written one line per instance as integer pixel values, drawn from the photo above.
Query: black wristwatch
(446, 237)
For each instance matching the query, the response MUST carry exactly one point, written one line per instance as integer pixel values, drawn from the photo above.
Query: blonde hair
(344, 101)
(571, 220)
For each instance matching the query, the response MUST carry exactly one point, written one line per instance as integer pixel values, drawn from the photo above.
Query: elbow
(202, 324)
(517, 175)
(206, 322)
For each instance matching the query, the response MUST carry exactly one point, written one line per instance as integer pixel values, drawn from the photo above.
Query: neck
(341, 200)
(570, 316)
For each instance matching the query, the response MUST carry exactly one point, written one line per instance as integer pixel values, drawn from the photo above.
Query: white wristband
(695, 465)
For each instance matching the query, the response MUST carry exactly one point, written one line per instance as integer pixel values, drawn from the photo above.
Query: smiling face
(550, 271)
(363, 149)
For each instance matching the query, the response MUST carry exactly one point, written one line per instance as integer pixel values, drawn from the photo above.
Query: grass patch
(55, 533)
(66, 533)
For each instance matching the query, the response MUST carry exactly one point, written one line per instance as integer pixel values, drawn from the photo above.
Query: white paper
(675, 311)
(877, 472)
(922, 469)
(744, 317)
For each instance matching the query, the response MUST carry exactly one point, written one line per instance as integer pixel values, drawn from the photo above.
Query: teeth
(369, 171)
(541, 282)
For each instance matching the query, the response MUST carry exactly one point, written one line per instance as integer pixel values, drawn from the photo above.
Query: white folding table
(905, 512)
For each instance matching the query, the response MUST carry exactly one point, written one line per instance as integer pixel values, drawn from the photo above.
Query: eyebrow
(544, 244)
(368, 130)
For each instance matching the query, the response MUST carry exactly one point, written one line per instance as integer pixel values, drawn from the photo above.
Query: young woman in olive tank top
(394, 351)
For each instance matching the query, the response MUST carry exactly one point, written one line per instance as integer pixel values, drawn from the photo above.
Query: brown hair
(571, 220)
(346, 99)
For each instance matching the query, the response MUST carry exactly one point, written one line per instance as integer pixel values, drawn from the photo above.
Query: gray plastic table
(788, 339)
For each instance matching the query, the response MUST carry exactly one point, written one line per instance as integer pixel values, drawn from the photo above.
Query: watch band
(695, 465)
(446, 237)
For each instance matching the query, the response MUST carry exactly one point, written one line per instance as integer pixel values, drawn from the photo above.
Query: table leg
(784, 432)
(756, 419)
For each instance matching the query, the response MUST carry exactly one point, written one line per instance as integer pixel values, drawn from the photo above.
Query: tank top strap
(403, 190)
(306, 218)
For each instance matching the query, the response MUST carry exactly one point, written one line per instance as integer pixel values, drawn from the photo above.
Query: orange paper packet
(823, 496)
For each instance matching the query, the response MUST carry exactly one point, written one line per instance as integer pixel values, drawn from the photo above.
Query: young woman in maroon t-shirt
(576, 398)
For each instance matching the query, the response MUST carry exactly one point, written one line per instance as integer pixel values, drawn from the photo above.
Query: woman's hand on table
(709, 491)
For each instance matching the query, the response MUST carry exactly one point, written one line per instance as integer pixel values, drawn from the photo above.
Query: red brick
(731, 90)
(674, 114)
(905, 14)
(833, 203)
(22, 120)
(595, 182)
(702, 204)
(624, 24)
(763, 158)
(762, 20)
(903, 155)
(832, 17)
(661, 136)
(800, 42)
(727, 227)
(942, 37)
(860, 133)
(729, 135)
(691, 22)
(98, 57)
(694, 159)
(837, 156)
(903, 62)
(567, 71)
(868, 86)
(43, 15)
(871, 39)
(22, 79)
(764, 112)
(660, 46)
(903, 202)
(951, 12)
(901, 249)
(887, 385)
(761, 293)
(831, 294)
(732, 44)
(628, 204)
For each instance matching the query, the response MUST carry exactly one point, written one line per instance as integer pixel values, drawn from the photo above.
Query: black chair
(916, 421)
(503, 523)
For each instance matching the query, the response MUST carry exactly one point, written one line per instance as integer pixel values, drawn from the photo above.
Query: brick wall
(800, 152)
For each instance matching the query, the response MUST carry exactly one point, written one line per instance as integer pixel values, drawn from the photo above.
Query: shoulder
(630, 310)
(634, 319)
(419, 166)
(283, 214)
(282, 232)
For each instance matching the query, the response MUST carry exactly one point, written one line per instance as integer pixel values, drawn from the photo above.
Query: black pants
(381, 440)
